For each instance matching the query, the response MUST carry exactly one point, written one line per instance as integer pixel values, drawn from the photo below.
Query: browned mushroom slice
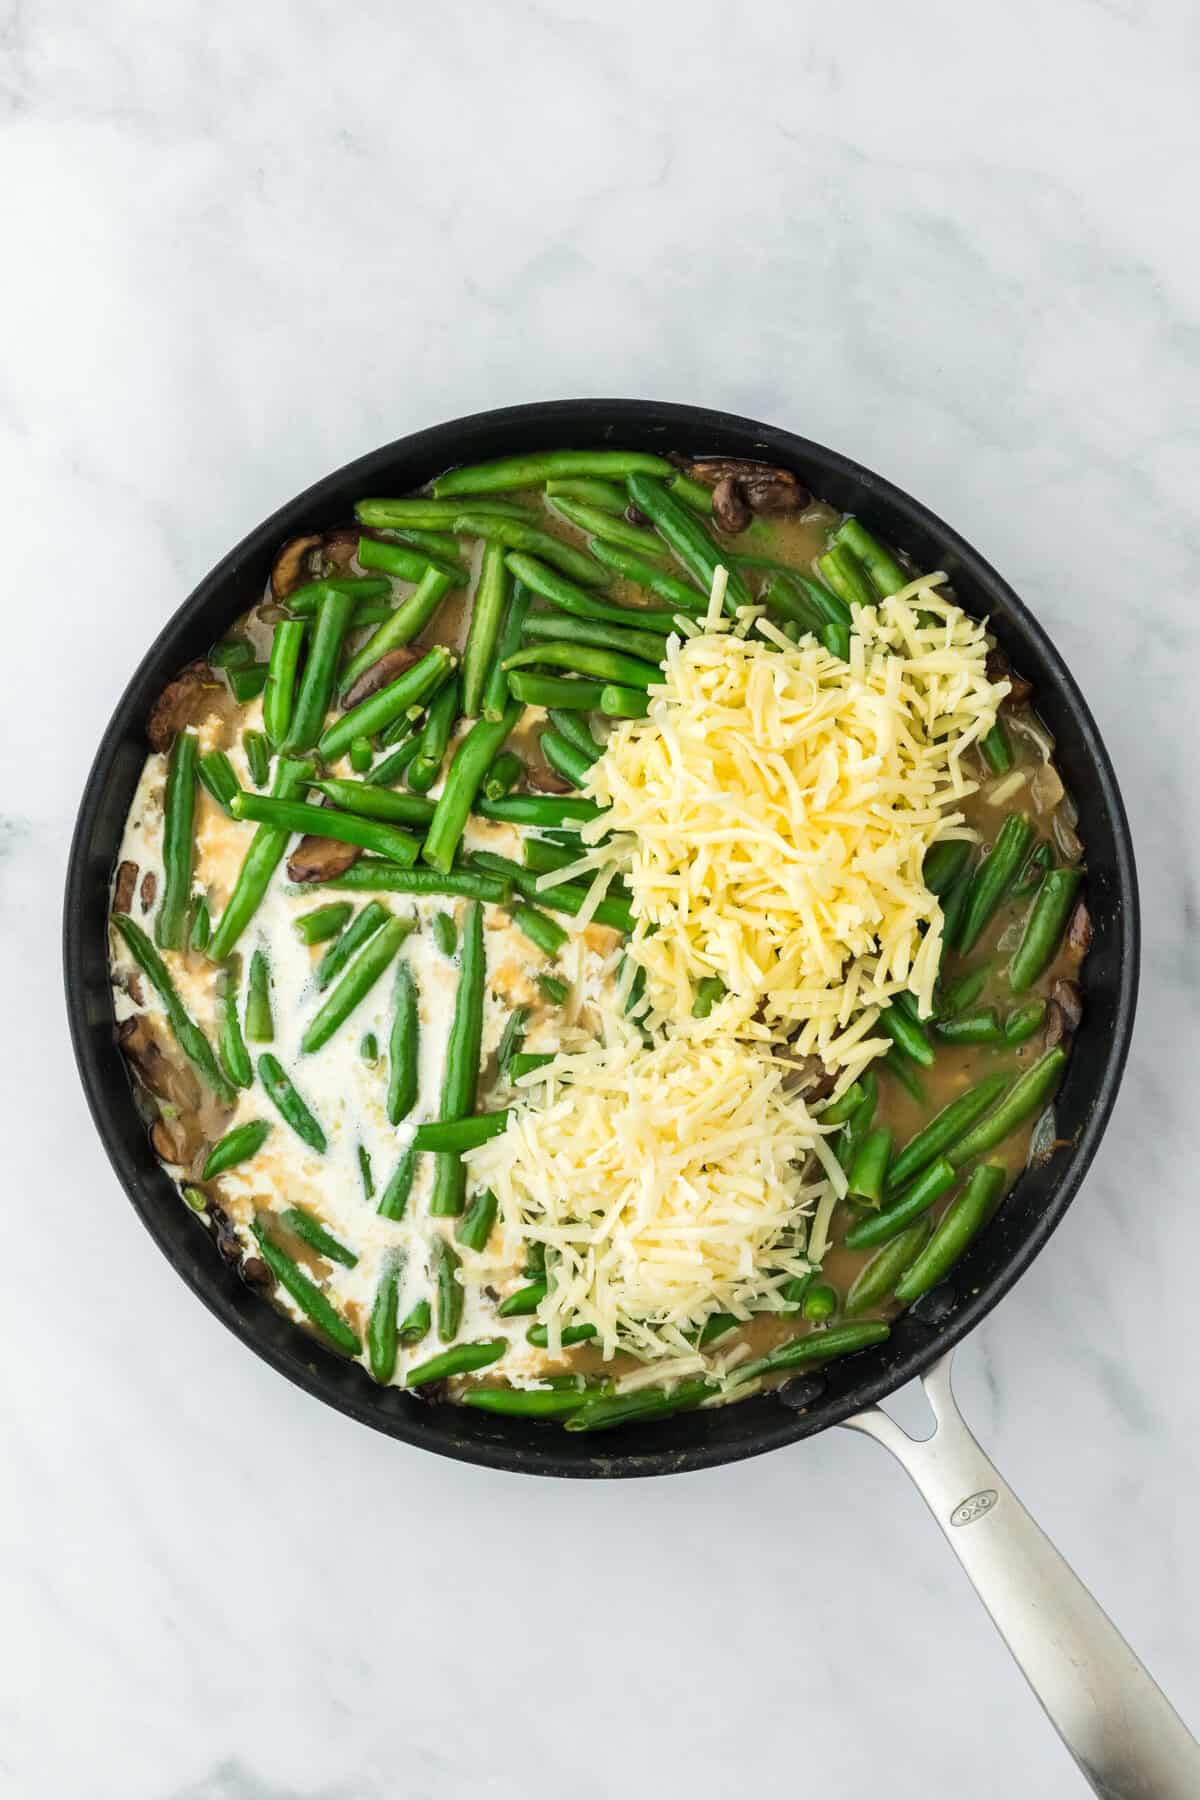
(124, 887)
(998, 668)
(321, 858)
(548, 781)
(1079, 931)
(177, 1138)
(1069, 1000)
(338, 549)
(194, 695)
(1056, 1027)
(155, 1067)
(256, 1274)
(293, 566)
(149, 889)
(766, 489)
(731, 510)
(390, 664)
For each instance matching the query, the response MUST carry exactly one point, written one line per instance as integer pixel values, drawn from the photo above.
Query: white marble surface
(244, 244)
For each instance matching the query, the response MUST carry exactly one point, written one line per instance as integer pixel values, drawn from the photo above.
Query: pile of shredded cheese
(772, 814)
(667, 1183)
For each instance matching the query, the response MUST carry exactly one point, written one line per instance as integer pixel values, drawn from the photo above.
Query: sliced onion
(1066, 838)
(1046, 788)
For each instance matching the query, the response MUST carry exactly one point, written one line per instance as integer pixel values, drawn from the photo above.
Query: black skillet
(1031, 1211)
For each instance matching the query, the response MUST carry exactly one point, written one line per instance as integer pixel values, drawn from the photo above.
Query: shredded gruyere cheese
(772, 814)
(667, 1183)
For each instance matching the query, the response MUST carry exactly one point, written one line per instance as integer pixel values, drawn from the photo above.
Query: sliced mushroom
(149, 889)
(766, 489)
(635, 515)
(293, 566)
(811, 1078)
(155, 1067)
(194, 695)
(548, 781)
(229, 1244)
(178, 1137)
(998, 668)
(257, 1275)
(1056, 1027)
(1079, 931)
(321, 859)
(124, 887)
(731, 509)
(339, 548)
(1066, 995)
(391, 664)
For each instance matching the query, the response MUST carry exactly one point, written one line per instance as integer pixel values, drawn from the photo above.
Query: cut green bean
(846, 577)
(445, 933)
(475, 1227)
(513, 534)
(393, 1201)
(646, 646)
(539, 1335)
(906, 1072)
(200, 927)
(436, 732)
(1028, 1094)
(992, 879)
(364, 590)
(335, 959)
(980, 1026)
(247, 684)
(281, 1091)
(887, 577)
(355, 984)
(230, 653)
(868, 1171)
(917, 1198)
(368, 1049)
(523, 1302)
(382, 1335)
(945, 1129)
(448, 1290)
(606, 1413)
(260, 1026)
(188, 1035)
(407, 622)
(361, 755)
(819, 1304)
(876, 1281)
(527, 1062)
(959, 1224)
(539, 928)
(320, 671)
(1040, 858)
(412, 688)
(459, 1134)
(564, 759)
(216, 773)
(908, 1032)
(404, 564)
(552, 989)
(575, 730)
(427, 514)
(462, 1360)
(679, 595)
(549, 465)
(179, 805)
(688, 538)
(591, 491)
(564, 897)
(365, 1171)
(609, 529)
(370, 876)
(1024, 1021)
(715, 1327)
(306, 1225)
(496, 695)
(540, 812)
(604, 666)
(996, 749)
(511, 1038)
(618, 702)
(710, 991)
(954, 906)
(1044, 928)
(373, 802)
(461, 1075)
(260, 862)
(307, 1295)
(389, 769)
(503, 776)
(944, 863)
(815, 1347)
(559, 691)
(692, 493)
(258, 757)
(957, 996)
(526, 1403)
(231, 1045)
(471, 761)
(290, 816)
(487, 614)
(323, 922)
(237, 1146)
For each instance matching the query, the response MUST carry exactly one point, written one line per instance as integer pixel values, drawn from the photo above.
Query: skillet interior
(1030, 1212)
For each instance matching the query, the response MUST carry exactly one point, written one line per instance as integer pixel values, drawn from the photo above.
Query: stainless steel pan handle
(1126, 1737)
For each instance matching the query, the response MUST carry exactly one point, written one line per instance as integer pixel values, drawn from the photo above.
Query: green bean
(459, 1134)
(511, 1038)
(944, 863)
(496, 697)
(524, 1301)
(487, 615)
(959, 1224)
(188, 1035)
(427, 513)
(548, 465)
(917, 1198)
(407, 622)
(539, 928)
(1024, 1021)
(462, 1360)
(618, 702)
(445, 933)
(982, 1026)
(909, 1033)
(540, 812)
(195, 1198)
(877, 1279)
(369, 1048)
(609, 530)
(381, 1330)
(372, 802)
(372, 916)
(525, 1062)
(178, 842)
(945, 1129)
(200, 926)
(553, 990)
(868, 1171)
(448, 1289)
(858, 1122)
(787, 593)
(647, 646)
(237, 1146)
(692, 493)
(390, 768)
(585, 659)
(902, 1067)
(688, 538)
(407, 565)
(539, 1335)
(355, 984)
(535, 1263)
(470, 763)
(247, 684)
(836, 639)
(307, 1295)
(526, 1403)
(575, 730)
(411, 688)
(954, 906)
(442, 546)
(364, 1169)
(558, 691)
(461, 1074)
(819, 1304)
(681, 596)
(512, 534)
(564, 897)
(541, 856)
(304, 601)
(606, 1413)
(293, 1110)
(260, 1026)
(992, 879)
(320, 670)
(403, 730)
(216, 774)
(370, 876)
(1040, 858)
(958, 995)
(416, 1322)
(361, 755)
(323, 922)
(231, 1046)
(258, 757)
(327, 821)
(1028, 1094)
(307, 1226)
(846, 577)
(440, 720)
(710, 990)
(503, 776)
(230, 653)
(260, 862)
(996, 749)
(715, 1327)
(393, 1201)
(1044, 928)
(563, 758)
(816, 1347)
(592, 491)
(885, 572)
(475, 1227)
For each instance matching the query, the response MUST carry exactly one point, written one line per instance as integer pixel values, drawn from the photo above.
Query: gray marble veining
(244, 245)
